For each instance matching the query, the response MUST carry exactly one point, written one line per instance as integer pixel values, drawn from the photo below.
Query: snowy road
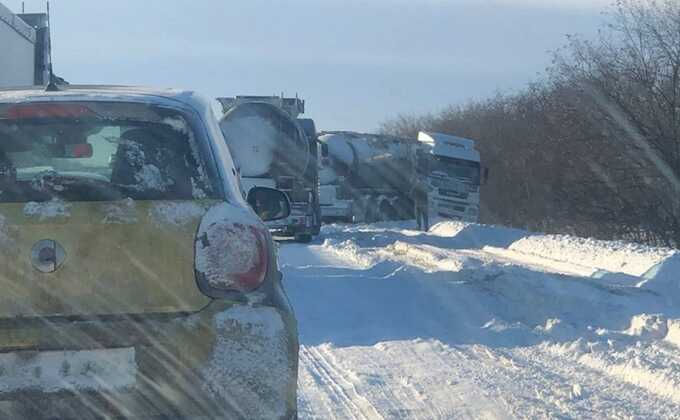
(480, 322)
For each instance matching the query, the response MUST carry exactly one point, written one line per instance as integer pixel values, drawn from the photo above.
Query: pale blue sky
(356, 63)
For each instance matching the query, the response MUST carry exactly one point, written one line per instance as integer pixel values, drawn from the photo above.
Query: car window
(98, 152)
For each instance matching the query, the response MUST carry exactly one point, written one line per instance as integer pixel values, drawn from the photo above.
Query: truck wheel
(371, 214)
(303, 238)
(387, 212)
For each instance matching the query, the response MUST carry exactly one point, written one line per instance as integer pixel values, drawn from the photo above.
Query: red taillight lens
(50, 110)
(230, 257)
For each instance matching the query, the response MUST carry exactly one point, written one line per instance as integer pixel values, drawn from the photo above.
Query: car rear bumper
(226, 361)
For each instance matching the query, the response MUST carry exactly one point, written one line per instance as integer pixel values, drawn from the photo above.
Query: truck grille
(452, 193)
(453, 207)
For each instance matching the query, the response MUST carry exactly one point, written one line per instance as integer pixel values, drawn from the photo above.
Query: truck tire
(371, 212)
(303, 238)
(387, 212)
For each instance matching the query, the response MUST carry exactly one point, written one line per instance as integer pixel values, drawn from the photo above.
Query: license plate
(52, 371)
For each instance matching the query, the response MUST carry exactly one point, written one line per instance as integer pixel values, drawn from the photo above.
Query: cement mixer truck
(274, 148)
(369, 177)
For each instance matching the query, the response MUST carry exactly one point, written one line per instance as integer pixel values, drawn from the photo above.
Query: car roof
(101, 92)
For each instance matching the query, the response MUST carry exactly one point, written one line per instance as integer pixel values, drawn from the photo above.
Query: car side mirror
(485, 177)
(324, 150)
(269, 204)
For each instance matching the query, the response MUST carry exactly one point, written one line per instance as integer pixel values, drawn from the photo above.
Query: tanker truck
(274, 148)
(370, 177)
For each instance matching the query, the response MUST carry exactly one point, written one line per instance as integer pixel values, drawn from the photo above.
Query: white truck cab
(454, 175)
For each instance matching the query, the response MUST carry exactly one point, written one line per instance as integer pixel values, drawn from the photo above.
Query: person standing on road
(419, 194)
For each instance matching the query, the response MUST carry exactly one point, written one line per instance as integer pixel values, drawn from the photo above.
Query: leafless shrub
(594, 148)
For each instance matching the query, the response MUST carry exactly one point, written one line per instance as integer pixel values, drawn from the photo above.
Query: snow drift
(394, 322)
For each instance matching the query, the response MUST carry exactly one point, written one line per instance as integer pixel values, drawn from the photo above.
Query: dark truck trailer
(25, 51)
(274, 148)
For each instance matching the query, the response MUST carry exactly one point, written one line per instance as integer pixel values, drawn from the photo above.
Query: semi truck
(25, 57)
(371, 177)
(274, 148)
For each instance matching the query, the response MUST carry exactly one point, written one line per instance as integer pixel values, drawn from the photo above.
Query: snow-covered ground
(471, 321)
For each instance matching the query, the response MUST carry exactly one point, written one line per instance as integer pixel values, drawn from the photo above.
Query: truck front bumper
(337, 211)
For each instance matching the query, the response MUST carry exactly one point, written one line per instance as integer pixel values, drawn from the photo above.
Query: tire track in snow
(387, 398)
(444, 387)
(343, 390)
(325, 384)
(555, 386)
(366, 409)
(393, 391)
(653, 367)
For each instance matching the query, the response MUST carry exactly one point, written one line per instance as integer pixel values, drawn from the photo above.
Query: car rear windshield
(99, 151)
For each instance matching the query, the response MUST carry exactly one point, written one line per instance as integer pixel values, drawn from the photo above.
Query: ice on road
(472, 321)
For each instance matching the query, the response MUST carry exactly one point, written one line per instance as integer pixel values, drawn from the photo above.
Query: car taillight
(230, 256)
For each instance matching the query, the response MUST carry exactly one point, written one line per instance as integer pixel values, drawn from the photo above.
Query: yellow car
(136, 281)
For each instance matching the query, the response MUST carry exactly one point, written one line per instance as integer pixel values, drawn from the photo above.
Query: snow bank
(614, 256)
(638, 355)
(428, 256)
(350, 251)
(673, 335)
(650, 327)
(469, 235)
(601, 258)
(664, 277)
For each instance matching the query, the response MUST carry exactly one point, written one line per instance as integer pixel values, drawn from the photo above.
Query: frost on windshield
(147, 176)
(46, 180)
(180, 125)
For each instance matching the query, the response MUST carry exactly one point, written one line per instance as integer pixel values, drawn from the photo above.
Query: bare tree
(594, 148)
(628, 82)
